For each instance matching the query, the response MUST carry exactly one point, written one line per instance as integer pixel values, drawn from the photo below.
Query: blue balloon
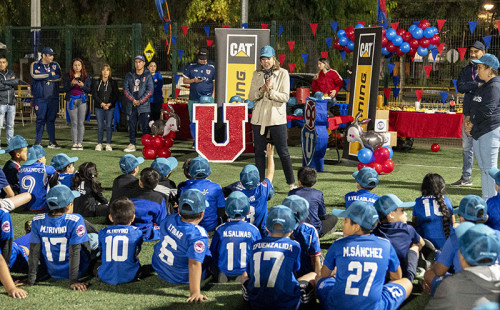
(359, 26)
(365, 155)
(340, 33)
(385, 51)
(397, 41)
(390, 150)
(422, 51)
(350, 45)
(434, 29)
(428, 33)
(417, 33)
(412, 27)
(405, 47)
(390, 34)
(343, 41)
(431, 47)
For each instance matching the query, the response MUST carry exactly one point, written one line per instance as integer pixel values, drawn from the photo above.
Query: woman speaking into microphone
(270, 90)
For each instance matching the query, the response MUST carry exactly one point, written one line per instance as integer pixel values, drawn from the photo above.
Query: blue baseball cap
(129, 162)
(34, 153)
(60, 161)
(250, 104)
(249, 177)
(299, 206)
(361, 213)
(489, 60)
(16, 142)
(283, 216)
(164, 165)
(469, 208)
(206, 99)
(47, 50)
(478, 244)
(390, 202)
(199, 168)
(267, 51)
(237, 205)
(494, 173)
(235, 99)
(140, 57)
(366, 177)
(195, 199)
(60, 196)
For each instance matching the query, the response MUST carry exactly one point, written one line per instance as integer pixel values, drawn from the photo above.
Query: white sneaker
(75, 147)
(130, 148)
(292, 186)
(108, 147)
(98, 147)
(80, 147)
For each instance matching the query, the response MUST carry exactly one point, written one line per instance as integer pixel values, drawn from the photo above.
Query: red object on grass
(149, 153)
(164, 152)
(435, 147)
(388, 166)
(147, 140)
(168, 142)
(157, 142)
(376, 166)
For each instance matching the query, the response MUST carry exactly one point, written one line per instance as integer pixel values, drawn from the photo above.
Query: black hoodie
(485, 109)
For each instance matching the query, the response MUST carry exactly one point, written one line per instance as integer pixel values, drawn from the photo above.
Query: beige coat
(270, 107)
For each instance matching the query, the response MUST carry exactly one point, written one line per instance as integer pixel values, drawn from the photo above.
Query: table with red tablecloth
(426, 125)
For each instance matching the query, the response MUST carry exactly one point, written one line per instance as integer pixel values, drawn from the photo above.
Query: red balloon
(400, 32)
(383, 31)
(435, 147)
(157, 142)
(414, 43)
(336, 44)
(361, 165)
(435, 39)
(347, 50)
(168, 142)
(423, 24)
(382, 154)
(388, 166)
(424, 42)
(391, 47)
(399, 52)
(407, 37)
(147, 140)
(412, 52)
(149, 153)
(164, 152)
(171, 135)
(384, 41)
(376, 166)
(349, 32)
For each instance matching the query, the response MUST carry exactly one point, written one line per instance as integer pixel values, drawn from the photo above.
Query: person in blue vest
(45, 78)
(157, 98)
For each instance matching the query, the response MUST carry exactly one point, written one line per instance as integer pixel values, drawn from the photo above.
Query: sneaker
(98, 147)
(292, 186)
(462, 182)
(53, 145)
(130, 148)
(74, 147)
(108, 147)
(80, 147)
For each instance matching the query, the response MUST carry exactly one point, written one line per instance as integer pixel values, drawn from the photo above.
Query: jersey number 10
(113, 246)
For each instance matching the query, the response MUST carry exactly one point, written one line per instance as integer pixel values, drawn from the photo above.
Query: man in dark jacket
(7, 101)
(45, 78)
(138, 87)
(467, 83)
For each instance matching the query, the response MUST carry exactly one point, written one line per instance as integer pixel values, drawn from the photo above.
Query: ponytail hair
(87, 172)
(433, 185)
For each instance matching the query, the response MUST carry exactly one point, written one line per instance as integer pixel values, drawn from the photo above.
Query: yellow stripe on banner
(239, 78)
(361, 100)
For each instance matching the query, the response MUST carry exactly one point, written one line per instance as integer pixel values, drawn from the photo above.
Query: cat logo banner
(364, 84)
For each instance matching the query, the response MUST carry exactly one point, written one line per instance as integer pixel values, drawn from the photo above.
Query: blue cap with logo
(495, 174)
(193, 198)
(60, 161)
(140, 57)
(237, 205)
(16, 142)
(236, 99)
(199, 168)
(478, 244)
(489, 60)
(366, 177)
(283, 216)
(361, 213)
(164, 165)
(129, 162)
(299, 206)
(470, 207)
(48, 51)
(390, 202)
(249, 177)
(60, 196)
(267, 51)
(206, 99)
(34, 153)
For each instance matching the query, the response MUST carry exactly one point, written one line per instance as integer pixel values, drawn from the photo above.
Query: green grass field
(152, 292)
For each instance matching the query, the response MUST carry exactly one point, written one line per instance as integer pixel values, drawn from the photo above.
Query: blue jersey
(316, 205)
(158, 88)
(179, 242)
(206, 73)
(150, 209)
(7, 232)
(361, 195)
(429, 223)
(120, 246)
(493, 212)
(307, 236)
(449, 253)
(33, 179)
(362, 262)
(213, 194)
(401, 236)
(271, 266)
(231, 243)
(66, 179)
(56, 234)
(19, 255)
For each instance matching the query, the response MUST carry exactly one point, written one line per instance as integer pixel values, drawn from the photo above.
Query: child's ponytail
(434, 185)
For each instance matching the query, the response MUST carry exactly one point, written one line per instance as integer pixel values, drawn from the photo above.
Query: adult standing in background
(327, 81)
(270, 90)
(45, 78)
(138, 87)
(8, 81)
(468, 81)
(156, 101)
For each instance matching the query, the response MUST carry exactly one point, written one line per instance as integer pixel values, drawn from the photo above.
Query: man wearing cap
(468, 81)
(7, 101)
(45, 78)
(138, 87)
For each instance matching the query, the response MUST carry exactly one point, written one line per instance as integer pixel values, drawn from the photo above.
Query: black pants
(155, 110)
(279, 136)
(327, 224)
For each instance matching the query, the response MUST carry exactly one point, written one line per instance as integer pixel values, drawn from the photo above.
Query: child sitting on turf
(433, 212)
(127, 182)
(233, 240)
(478, 282)
(165, 166)
(120, 244)
(65, 169)
(61, 237)
(366, 181)
(323, 222)
(361, 260)
(91, 201)
(178, 258)
(34, 176)
(150, 208)
(494, 202)
(21, 250)
(306, 235)
(18, 151)
(403, 237)
(199, 170)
